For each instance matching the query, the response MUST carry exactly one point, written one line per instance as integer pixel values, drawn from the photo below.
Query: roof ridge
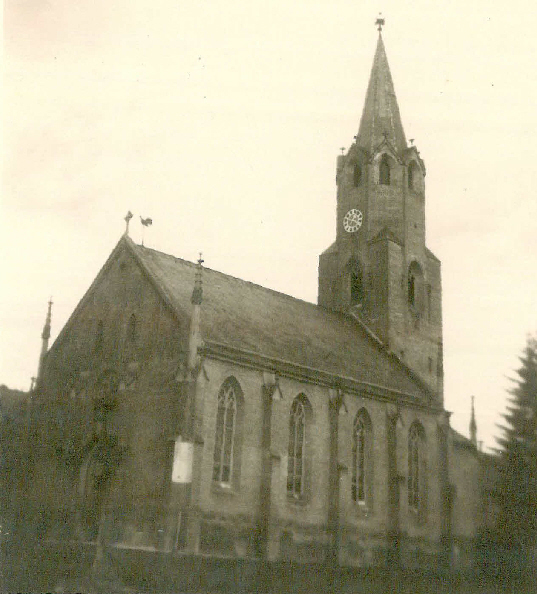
(225, 274)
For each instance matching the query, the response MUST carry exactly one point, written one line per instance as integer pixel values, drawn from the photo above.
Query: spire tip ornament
(380, 23)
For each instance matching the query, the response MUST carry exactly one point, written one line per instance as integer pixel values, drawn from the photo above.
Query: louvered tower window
(384, 171)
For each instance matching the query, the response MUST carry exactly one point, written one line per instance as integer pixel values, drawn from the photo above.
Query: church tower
(379, 269)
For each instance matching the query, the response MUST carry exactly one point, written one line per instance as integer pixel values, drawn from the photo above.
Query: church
(186, 416)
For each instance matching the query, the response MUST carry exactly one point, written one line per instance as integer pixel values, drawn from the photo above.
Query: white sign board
(182, 462)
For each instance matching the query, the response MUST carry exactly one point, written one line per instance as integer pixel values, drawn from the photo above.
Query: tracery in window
(415, 467)
(224, 464)
(297, 449)
(361, 458)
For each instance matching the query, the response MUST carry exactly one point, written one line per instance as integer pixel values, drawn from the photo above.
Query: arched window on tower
(356, 279)
(357, 288)
(357, 175)
(384, 170)
(361, 459)
(415, 287)
(225, 461)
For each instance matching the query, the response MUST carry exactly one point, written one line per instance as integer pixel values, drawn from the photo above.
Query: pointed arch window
(361, 459)
(384, 170)
(356, 279)
(415, 287)
(297, 449)
(225, 462)
(416, 474)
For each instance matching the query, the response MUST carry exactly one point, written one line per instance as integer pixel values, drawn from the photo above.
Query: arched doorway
(95, 476)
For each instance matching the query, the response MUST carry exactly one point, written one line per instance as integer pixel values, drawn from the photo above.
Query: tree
(518, 457)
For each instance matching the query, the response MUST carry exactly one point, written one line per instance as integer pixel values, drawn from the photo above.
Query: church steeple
(380, 117)
(379, 268)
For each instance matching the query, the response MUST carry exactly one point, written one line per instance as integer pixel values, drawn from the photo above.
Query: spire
(45, 335)
(46, 328)
(473, 425)
(380, 117)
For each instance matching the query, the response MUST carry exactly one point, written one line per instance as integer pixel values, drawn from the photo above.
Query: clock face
(352, 221)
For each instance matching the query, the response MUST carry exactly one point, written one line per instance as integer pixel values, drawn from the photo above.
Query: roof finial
(380, 23)
(46, 327)
(44, 346)
(473, 425)
(197, 293)
(127, 220)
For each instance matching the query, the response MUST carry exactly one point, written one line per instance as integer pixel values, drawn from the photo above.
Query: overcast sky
(223, 120)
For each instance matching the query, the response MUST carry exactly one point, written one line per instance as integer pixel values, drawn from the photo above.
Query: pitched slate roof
(246, 316)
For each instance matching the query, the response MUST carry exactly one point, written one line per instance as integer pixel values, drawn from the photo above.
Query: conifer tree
(518, 447)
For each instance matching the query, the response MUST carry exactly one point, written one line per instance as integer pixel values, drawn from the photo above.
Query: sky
(222, 121)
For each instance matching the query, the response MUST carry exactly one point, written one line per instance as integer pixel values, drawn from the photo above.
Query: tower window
(384, 170)
(410, 177)
(357, 288)
(357, 175)
(355, 278)
(412, 289)
(415, 287)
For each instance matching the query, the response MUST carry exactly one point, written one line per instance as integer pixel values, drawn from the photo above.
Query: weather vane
(145, 223)
(380, 23)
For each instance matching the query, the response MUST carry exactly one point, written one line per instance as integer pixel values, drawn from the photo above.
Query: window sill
(417, 516)
(301, 501)
(362, 511)
(223, 489)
